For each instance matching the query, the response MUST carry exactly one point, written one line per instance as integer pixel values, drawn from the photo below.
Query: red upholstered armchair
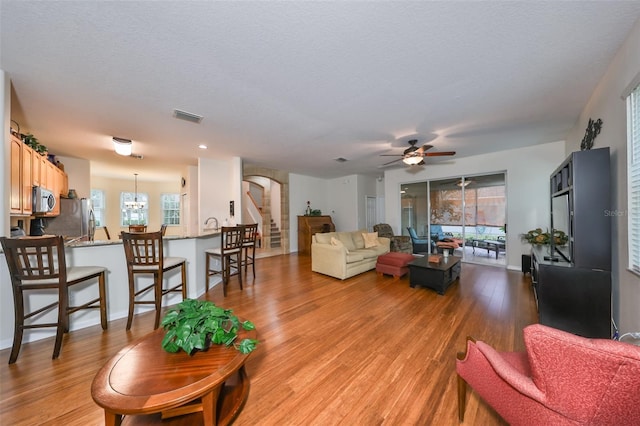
(561, 379)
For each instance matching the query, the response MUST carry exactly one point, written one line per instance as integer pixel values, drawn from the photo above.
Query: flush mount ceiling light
(122, 146)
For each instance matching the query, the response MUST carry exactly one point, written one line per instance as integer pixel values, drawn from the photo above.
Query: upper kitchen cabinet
(21, 177)
(29, 169)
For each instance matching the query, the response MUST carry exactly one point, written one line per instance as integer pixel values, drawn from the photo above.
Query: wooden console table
(151, 386)
(309, 225)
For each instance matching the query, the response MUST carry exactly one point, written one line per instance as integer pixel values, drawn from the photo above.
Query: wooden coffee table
(151, 386)
(437, 276)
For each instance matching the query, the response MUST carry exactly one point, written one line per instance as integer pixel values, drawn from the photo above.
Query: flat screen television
(561, 221)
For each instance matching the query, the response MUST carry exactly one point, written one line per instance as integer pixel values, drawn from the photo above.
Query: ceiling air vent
(341, 160)
(187, 116)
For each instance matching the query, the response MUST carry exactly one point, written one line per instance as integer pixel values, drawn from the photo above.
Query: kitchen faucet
(206, 222)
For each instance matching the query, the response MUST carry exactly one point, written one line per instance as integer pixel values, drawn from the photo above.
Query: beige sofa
(345, 254)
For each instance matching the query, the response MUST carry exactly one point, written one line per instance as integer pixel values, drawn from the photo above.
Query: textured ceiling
(295, 85)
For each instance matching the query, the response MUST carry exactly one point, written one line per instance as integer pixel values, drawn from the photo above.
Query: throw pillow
(336, 242)
(370, 239)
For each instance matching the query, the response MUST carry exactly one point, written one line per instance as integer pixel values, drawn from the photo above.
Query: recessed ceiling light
(202, 146)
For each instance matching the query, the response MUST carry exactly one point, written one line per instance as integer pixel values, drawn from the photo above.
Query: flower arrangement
(538, 237)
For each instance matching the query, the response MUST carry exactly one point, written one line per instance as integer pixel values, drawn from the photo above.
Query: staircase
(275, 235)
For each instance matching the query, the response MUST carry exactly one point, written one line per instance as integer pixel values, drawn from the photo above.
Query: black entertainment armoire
(573, 284)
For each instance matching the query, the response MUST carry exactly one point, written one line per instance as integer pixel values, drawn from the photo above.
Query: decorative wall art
(593, 130)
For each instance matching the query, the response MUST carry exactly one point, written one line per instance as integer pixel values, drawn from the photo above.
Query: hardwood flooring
(369, 350)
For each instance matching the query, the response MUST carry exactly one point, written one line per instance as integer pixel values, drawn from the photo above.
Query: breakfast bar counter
(109, 254)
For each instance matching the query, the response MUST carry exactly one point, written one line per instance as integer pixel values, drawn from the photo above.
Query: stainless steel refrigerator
(76, 220)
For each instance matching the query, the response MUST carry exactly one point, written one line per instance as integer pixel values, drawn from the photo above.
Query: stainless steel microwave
(43, 200)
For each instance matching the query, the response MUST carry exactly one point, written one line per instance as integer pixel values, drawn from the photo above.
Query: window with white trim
(98, 203)
(633, 178)
(134, 208)
(170, 205)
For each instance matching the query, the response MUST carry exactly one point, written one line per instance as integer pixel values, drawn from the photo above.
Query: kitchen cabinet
(28, 169)
(21, 178)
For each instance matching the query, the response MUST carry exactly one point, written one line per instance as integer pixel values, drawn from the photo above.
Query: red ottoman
(393, 263)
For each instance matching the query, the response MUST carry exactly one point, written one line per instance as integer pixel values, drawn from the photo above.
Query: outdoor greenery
(196, 324)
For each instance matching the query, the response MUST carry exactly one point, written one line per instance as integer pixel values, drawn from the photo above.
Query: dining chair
(249, 247)
(228, 256)
(144, 254)
(39, 264)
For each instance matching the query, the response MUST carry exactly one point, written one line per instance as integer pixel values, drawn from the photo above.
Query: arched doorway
(266, 201)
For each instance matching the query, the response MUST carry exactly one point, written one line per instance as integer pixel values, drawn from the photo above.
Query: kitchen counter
(110, 254)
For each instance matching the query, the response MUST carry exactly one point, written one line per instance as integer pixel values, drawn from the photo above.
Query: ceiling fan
(415, 155)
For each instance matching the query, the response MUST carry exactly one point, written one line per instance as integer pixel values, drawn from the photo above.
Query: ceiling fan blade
(439, 154)
(391, 155)
(424, 148)
(391, 162)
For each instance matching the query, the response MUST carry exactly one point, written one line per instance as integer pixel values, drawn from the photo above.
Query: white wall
(77, 170)
(527, 173)
(218, 183)
(302, 189)
(343, 202)
(607, 103)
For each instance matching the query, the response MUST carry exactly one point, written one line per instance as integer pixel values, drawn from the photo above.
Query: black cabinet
(572, 299)
(573, 292)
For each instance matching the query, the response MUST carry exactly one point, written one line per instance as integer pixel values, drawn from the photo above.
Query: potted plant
(538, 237)
(197, 324)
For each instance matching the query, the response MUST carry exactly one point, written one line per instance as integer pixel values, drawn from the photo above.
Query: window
(633, 177)
(134, 208)
(98, 202)
(170, 205)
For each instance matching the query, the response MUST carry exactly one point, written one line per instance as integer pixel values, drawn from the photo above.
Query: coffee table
(437, 276)
(151, 386)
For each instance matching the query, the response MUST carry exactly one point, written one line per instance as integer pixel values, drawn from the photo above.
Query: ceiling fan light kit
(414, 155)
(413, 160)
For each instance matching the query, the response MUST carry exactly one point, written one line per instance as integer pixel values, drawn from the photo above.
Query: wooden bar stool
(144, 254)
(39, 263)
(229, 255)
(249, 247)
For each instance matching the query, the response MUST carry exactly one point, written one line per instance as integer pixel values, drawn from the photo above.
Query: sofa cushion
(368, 253)
(336, 242)
(354, 257)
(358, 241)
(346, 239)
(324, 238)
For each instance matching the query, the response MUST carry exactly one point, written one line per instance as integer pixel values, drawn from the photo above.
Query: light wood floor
(369, 350)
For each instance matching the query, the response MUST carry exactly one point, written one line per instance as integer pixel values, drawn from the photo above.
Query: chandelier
(135, 204)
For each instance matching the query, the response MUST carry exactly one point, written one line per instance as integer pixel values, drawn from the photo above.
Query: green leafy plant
(539, 237)
(196, 324)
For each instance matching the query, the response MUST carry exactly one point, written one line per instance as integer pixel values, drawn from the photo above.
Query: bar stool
(229, 255)
(144, 254)
(39, 263)
(249, 247)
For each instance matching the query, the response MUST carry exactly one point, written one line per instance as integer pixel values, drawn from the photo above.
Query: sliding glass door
(467, 210)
